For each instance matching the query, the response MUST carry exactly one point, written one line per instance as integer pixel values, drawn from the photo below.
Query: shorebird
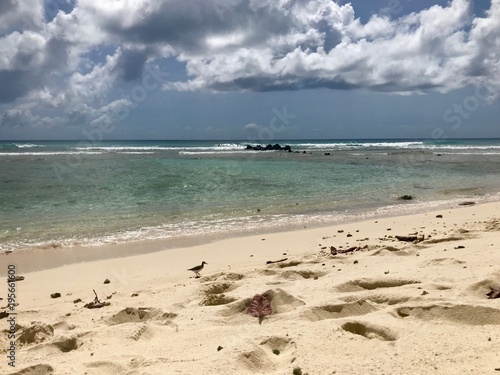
(198, 269)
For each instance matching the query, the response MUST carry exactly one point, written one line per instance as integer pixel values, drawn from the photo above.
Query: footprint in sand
(455, 314)
(381, 299)
(230, 276)
(270, 355)
(214, 294)
(36, 333)
(374, 283)
(105, 367)
(145, 332)
(341, 310)
(302, 274)
(141, 314)
(370, 331)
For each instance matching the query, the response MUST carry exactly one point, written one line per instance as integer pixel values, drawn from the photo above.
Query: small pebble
(355, 262)
(55, 295)
(107, 281)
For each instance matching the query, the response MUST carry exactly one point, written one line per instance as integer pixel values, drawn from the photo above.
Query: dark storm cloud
(16, 84)
(131, 63)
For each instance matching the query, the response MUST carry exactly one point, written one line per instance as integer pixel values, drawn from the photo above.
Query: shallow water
(81, 193)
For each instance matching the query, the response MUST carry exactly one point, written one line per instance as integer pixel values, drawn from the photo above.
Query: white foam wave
(27, 145)
(50, 153)
(358, 145)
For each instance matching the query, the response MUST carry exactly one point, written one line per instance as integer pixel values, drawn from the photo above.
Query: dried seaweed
(260, 306)
(96, 304)
(493, 293)
(335, 251)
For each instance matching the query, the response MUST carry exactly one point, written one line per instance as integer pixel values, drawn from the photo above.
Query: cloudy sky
(241, 69)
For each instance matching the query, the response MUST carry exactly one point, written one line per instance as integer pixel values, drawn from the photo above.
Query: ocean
(71, 193)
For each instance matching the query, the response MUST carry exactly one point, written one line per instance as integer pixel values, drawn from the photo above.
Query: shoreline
(398, 306)
(39, 259)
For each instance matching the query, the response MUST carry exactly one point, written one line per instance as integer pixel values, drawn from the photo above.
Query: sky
(249, 69)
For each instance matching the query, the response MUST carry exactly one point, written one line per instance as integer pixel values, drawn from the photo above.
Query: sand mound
(390, 250)
(374, 283)
(281, 302)
(457, 314)
(271, 354)
(35, 370)
(141, 314)
(389, 299)
(443, 262)
(36, 333)
(480, 288)
(66, 343)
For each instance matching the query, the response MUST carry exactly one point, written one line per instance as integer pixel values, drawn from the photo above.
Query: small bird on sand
(198, 269)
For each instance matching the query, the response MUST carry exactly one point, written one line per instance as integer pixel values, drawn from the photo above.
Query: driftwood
(334, 251)
(415, 239)
(260, 306)
(96, 304)
(493, 293)
(276, 261)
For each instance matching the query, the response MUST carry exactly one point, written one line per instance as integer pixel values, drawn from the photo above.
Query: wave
(356, 145)
(48, 153)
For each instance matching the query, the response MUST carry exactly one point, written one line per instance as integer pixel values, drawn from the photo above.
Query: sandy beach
(389, 307)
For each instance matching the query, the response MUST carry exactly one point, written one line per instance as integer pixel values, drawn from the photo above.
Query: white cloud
(234, 45)
(252, 126)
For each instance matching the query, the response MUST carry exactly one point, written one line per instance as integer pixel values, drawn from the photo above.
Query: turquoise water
(80, 193)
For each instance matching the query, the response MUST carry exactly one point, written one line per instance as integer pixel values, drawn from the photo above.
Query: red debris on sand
(260, 306)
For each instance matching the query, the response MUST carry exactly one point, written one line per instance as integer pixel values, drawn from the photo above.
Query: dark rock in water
(275, 147)
(405, 197)
(467, 203)
(327, 153)
(55, 295)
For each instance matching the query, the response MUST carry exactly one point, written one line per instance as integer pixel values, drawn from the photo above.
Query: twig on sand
(335, 251)
(96, 304)
(276, 261)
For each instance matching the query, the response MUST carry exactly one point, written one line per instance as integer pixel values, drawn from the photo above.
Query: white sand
(391, 308)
